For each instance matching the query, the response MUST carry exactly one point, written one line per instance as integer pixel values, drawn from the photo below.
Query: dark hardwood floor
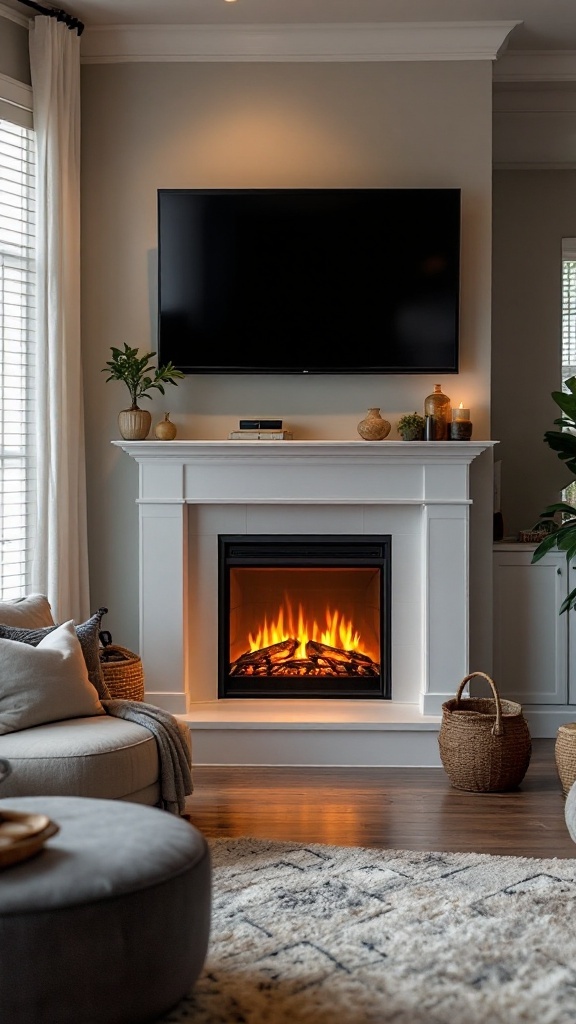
(393, 808)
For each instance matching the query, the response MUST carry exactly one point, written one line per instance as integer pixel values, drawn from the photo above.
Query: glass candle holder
(460, 414)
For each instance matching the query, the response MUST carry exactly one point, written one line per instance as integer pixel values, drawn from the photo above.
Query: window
(17, 355)
(568, 330)
(568, 308)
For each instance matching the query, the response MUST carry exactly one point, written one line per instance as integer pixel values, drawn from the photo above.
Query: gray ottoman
(109, 923)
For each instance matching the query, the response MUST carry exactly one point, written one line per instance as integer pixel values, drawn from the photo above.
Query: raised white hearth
(190, 492)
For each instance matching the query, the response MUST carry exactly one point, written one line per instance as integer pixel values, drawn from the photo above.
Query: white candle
(460, 414)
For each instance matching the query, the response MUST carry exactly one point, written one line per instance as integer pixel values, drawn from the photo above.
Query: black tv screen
(356, 280)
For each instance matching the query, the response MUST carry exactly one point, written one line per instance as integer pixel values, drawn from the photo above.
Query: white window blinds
(568, 308)
(17, 315)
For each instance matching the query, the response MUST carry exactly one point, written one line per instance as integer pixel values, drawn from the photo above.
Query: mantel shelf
(292, 472)
(423, 452)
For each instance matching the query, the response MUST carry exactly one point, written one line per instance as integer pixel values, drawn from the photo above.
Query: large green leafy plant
(138, 374)
(558, 521)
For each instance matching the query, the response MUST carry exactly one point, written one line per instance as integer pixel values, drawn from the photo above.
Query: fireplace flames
(295, 645)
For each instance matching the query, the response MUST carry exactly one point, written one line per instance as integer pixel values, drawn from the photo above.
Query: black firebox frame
(308, 551)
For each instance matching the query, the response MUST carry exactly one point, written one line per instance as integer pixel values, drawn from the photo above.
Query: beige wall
(533, 211)
(146, 126)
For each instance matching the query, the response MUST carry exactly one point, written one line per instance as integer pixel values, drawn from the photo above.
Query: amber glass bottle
(438, 406)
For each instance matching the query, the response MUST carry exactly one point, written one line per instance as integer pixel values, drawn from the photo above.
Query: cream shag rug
(342, 935)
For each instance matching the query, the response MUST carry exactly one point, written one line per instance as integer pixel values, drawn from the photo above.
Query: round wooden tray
(23, 835)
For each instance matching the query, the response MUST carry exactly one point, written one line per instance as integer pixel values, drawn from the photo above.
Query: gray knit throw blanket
(173, 752)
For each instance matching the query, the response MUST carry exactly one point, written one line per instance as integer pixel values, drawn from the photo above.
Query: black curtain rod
(52, 12)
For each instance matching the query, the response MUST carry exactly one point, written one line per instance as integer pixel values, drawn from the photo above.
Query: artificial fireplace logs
(321, 660)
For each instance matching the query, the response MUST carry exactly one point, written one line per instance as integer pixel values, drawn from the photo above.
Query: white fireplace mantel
(288, 472)
(416, 491)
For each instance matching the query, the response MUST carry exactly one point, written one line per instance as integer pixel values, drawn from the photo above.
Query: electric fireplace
(304, 616)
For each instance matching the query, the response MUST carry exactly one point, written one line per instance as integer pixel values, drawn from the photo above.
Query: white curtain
(61, 555)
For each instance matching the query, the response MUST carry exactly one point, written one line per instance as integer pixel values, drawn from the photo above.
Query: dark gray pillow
(88, 635)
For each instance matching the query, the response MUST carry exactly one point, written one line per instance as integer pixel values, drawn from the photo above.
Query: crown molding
(319, 43)
(12, 15)
(536, 66)
(110, 44)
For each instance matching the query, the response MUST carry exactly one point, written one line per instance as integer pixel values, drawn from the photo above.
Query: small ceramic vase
(134, 424)
(165, 430)
(374, 427)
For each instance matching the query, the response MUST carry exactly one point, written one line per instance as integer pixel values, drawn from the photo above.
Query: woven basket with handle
(485, 743)
(565, 753)
(122, 670)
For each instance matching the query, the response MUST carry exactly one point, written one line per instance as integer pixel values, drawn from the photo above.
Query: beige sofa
(96, 756)
(92, 755)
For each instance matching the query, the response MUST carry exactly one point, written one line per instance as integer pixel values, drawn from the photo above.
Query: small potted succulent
(140, 377)
(411, 426)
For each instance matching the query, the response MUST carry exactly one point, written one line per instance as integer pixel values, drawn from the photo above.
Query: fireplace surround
(417, 493)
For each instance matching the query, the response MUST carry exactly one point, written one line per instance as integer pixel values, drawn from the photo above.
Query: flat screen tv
(326, 280)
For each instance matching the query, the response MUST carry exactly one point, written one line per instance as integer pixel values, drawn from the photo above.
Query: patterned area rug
(341, 935)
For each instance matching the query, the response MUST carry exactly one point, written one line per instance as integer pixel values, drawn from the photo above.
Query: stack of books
(260, 435)
(260, 430)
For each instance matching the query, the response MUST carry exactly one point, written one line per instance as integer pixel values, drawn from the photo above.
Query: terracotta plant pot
(412, 434)
(134, 424)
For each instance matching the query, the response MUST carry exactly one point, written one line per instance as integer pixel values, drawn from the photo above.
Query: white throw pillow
(46, 683)
(31, 612)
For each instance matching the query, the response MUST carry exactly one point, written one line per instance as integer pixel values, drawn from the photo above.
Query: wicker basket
(123, 672)
(565, 751)
(484, 742)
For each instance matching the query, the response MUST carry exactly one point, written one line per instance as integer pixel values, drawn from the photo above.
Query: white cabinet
(531, 642)
(571, 616)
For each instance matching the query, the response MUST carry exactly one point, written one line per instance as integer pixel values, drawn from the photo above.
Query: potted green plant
(411, 426)
(140, 377)
(558, 522)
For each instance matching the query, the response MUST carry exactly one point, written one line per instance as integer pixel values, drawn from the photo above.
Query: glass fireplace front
(304, 616)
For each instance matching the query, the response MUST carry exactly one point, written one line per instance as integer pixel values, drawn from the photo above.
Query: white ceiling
(546, 24)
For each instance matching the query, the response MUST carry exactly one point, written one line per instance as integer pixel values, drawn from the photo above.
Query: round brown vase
(134, 424)
(165, 430)
(374, 427)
